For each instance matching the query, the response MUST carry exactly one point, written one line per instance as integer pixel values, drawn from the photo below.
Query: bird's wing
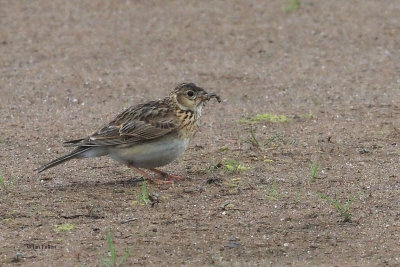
(136, 124)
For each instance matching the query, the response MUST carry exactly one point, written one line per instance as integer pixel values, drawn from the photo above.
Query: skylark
(146, 136)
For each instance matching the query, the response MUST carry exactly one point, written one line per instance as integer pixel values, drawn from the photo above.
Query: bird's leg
(170, 177)
(148, 176)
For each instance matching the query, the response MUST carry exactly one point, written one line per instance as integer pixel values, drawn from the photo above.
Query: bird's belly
(150, 155)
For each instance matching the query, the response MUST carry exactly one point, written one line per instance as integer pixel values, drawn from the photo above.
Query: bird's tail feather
(72, 155)
(74, 143)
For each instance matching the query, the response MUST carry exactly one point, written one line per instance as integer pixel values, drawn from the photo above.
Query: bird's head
(189, 96)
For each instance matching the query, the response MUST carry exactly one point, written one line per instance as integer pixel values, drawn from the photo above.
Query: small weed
(274, 140)
(343, 209)
(293, 5)
(314, 170)
(265, 117)
(212, 167)
(267, 160)
(273, 193)
(223, 149)
(2, 182)
(145, 193)
(252, 140)
(297, 197)
(64, 227)
(306, 116)
(233, 166)
(234, 182)
(113, 261)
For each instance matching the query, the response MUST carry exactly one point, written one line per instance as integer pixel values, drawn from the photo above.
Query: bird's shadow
(123, 182)
(126, 183)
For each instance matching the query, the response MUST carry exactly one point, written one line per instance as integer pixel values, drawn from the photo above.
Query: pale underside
(151, 154)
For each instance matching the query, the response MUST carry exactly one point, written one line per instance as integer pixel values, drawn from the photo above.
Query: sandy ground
(329, 69)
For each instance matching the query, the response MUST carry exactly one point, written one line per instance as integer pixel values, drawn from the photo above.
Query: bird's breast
(188, 123)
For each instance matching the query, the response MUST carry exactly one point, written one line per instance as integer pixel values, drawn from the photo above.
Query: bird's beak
(208, 96)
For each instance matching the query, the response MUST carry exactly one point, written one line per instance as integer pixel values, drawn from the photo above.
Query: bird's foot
(160, 180)
(170, 177)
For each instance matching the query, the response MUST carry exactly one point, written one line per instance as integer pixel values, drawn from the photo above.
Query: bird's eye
(190, 93)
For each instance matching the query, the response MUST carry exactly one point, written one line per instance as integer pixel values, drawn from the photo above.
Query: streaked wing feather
(144, 122)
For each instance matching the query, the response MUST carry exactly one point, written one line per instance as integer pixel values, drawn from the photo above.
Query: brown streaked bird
(146, 136)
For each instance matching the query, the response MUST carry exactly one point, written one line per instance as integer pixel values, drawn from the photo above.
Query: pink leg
(149, 177)
(170, 177)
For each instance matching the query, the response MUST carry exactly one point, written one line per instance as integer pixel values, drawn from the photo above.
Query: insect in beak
(208, 96)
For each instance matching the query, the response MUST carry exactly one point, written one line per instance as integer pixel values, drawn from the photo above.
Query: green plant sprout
(343, 209)
(273, 193)
(113, 261)
(233, 166)
(2, 182)
(274, 140)
(66, 227)
(252, 140)
(294, 5)
(314, 170)
(145, 193)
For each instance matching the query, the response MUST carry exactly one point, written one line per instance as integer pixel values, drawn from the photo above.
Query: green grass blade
(125, 256)
(145, 194)
(111, 247)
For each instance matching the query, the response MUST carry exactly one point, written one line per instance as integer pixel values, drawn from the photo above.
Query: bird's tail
(72, 155)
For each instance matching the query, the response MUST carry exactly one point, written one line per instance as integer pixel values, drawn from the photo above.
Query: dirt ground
(312, 180)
